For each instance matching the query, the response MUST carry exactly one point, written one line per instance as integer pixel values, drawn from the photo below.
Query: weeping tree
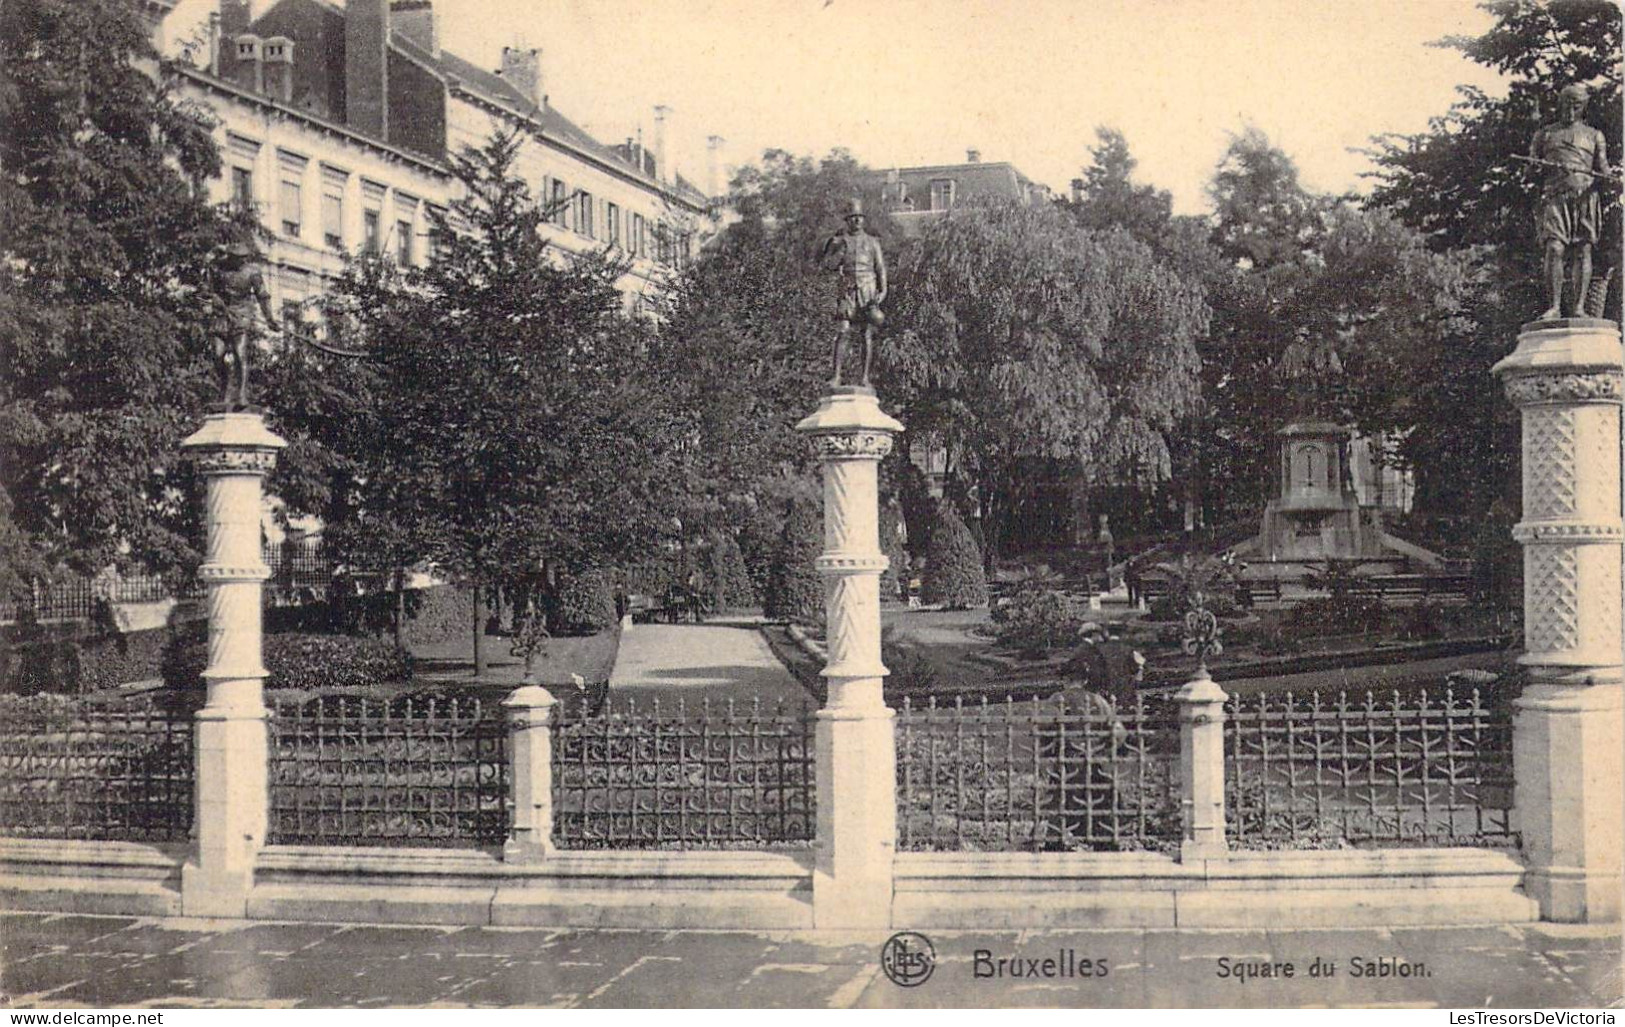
(1021, 335)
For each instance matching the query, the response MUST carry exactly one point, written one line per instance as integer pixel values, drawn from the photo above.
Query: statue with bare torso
(241, 291)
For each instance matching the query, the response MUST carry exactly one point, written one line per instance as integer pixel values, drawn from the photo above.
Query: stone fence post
(1565, 377)
(856, 740)
(234, 453)
(1201, 768)
(530, 762)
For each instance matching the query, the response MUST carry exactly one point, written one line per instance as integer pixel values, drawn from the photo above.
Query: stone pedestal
(857, 748)
(234, 453)
(1201, 768)
(1565, 377)
(530, 755)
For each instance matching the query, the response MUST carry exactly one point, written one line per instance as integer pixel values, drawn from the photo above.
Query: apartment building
(336, 124)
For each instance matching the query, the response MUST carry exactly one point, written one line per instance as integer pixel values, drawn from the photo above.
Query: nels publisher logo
(908, 959)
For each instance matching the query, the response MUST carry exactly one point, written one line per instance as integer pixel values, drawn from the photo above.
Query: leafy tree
(746, 345)
(1460, 185)
(794, 591)
(106, 238)
(1019, 336)
(514, 417)
(1111, 199)
(953, 565)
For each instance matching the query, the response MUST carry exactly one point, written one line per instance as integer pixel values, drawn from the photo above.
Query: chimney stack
(366, 66)
(415, 19)
(1077, 190)
(249, 71)
(973, 156)
(713, 166)
(278, 52)
(235, 17)
(522, 69)
(661, 110)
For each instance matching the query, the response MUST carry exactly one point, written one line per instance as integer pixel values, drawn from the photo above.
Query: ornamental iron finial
(1201, 632)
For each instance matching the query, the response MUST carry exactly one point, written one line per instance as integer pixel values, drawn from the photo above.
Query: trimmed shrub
(1038, 621)
(953, 565)
(586, 602)
(1335, 615)
(794, 591)
(728, 580)
(759, 545)
(301, 661)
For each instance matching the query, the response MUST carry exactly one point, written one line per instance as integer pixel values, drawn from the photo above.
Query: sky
(905, 82)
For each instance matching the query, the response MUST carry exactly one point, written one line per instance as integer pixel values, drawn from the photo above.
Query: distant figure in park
(241, 290)
(856, 256)
(1572, 156)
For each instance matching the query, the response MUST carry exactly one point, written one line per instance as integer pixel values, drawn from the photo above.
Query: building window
(635, 243)
(369, 231)
(333, 220)
(612, 224)
(403, 243)
(242, 187)
(942, 193)
(559, 207)
(290, 209)
(437, 233)
(584, 218)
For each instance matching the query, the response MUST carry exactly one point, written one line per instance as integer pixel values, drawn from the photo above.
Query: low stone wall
(773, 890)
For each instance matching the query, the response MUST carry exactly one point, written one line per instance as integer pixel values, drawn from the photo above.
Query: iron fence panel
(716, 775)
(1316, 770)
(415, 770)
(118, 770)
(1057, 774)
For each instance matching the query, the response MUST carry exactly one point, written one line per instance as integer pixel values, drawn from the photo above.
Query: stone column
(1565, 377)
(234, 452)
(1201, 768)
(857, 747)
(530, 756)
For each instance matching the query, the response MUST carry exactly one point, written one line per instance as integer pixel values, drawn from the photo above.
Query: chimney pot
(973, 156)
(1077, 190)
(660, 155)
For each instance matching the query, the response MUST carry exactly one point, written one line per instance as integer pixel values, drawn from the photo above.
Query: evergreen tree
(794, 590)
(726, 576)
(953, 565)
(891, 544)
(106, 240)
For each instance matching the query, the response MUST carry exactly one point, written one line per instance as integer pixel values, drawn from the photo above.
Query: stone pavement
(718, 661)
(58, 961)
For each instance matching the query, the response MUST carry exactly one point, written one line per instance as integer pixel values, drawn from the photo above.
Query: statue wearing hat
(1572, 156)
(241, 292)
(855, 255)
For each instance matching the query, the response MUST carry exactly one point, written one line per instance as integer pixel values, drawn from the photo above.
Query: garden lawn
(591, 656)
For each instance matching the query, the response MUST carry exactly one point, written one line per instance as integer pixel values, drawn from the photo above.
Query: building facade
(337, 123)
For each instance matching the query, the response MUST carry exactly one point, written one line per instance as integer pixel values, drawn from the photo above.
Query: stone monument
(234, 452)
(1566, 377)
(242, 293)
(857, 749)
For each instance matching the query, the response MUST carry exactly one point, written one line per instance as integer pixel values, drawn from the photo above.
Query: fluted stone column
(1565, 377)
(857, 747)
(234, 452)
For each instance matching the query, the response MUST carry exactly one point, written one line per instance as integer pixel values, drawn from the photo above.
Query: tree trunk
(479, 628)
(400, 607)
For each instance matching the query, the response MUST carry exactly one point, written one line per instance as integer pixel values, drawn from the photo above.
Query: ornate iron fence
(415, 770)
(1316, 770)
(1055, 774)
(717, 775)
(116, 770)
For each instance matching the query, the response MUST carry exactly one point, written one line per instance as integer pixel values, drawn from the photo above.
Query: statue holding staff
(855, 255)
(242, 293)
(1572, 157)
